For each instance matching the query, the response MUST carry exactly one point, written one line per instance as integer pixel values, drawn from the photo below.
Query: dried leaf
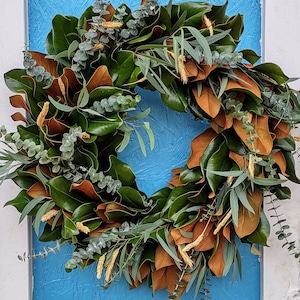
(50, 65)
(280, 129)
(55, 126)
(18, 117)
(281, 162)
(87, 188)
(198, 146)
(207, 101)
(238, 159)
(159, 280)
(204, 71)
(18, 101)
(100, 77)
(226, 233)
(264, 142)
(222, 121)
(244, 82)
(191, 68)
(162, 258)
(37, 190)
(247, 221)
(209, 239)
(216, 263)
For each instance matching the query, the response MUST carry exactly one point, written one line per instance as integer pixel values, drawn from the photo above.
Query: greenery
(76, 100)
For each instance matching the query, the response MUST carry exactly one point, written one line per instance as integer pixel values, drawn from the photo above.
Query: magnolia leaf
(20, 201)
(84, 212)
(121, 171)
(216, 263)
(102, 126)
(100, 77)
(49, 235)
(262, 232)
(50, 65)
(247, 221)
(19, 117)
(18, 101)
(87, 188)
(62, 196)
(250, 56)
(37, 190)
(162, 258)
(244, 83)
(272, 70)
(280, 162)
(159, 281)
(207, 101)
(209, 239)
(69, 229)
(198, 146)
(264, 141)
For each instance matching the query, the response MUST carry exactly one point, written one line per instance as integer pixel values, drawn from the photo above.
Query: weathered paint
(173, 132)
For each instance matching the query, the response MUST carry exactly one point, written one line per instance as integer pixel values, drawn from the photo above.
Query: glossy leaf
(121, 171)
(62, 196)
(103, 126)
(261, 234)
(272, 70)
(84, 212)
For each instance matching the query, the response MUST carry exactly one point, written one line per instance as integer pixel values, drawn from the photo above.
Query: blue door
(51, 282)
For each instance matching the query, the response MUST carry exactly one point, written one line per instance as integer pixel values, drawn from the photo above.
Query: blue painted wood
(173, 132)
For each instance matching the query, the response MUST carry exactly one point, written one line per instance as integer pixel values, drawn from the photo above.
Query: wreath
(79, 100)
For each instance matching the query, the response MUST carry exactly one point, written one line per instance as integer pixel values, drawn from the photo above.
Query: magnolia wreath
(78, 101)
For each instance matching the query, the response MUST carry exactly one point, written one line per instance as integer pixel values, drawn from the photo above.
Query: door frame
(280, 44)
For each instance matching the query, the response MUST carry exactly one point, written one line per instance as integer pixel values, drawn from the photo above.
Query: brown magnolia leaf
(198, 146)
(162, 258)
(175, 181)
(100, 77)
(55, 126)
(103, 208)
(102, 229)
(37, 190)
(281, 162)
(87, 188)
(18, 101)
(144, 271)
(177, 236)
(71, 81)
(191, 68)
(172, 277)
(264, 142)
(207, 101)
(204, 71)
(244, 82)
(159, 280)
(216, 263)
(18, 117)
(247, 221)
(238, 159)
(111, 11)
(280, 129)
(209, 239)
(221, 121)
(50, 65)
(226, 233)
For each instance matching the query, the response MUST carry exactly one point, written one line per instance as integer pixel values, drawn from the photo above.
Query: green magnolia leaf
(217, 162)
(236, 26)
(175, 99)
(123, 67)
(190, 175)
(64, 32)
(121, 171)
(131, 197)
(273, 71)
(104, 92)
(69, 228)
(250, 56)
(30, 132)
(84, 212)
(16, 81)
(287, 143)
(261, 234)
(290, 170)
(282, 192)
(49, 235)
(102, 126)
(20, 201)
(62, 196)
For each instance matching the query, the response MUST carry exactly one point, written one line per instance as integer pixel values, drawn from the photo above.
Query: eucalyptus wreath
(79, 101)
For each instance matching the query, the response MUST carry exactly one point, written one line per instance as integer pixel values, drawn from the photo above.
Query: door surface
(50, 280)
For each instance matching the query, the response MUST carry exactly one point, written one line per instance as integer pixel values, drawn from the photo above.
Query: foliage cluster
(76, 100)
